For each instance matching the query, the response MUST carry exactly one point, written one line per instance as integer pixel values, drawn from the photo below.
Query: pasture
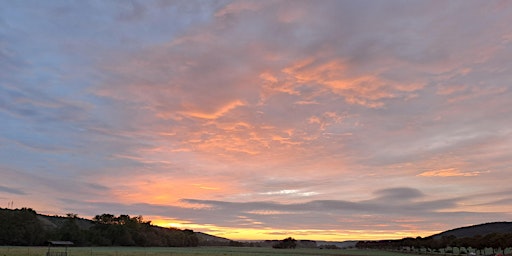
(194, 251)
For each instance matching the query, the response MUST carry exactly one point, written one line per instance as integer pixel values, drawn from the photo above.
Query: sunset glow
(321, 120)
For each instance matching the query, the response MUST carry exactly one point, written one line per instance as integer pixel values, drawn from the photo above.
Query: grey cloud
(97, 187)
(45, 187)
(316, 214)
(380, 205)
(494, 198)
(399, 193)
(330, 214)
(38, 105)
(394, 204)
(505, 201)
(12, 190)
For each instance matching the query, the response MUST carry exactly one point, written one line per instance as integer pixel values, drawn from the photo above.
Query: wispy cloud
(218, 113)
(10, 190)
(451, 172)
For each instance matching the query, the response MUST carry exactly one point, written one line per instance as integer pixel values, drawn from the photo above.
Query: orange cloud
(162, 190)
(366, 89)
(217, 114)
(313, 70)
(450, 172)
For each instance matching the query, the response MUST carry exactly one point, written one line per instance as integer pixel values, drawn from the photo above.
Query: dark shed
(54, 252)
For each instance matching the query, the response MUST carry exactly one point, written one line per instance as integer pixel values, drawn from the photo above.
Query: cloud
(307, 215)
(394, 205)
(377, 205)
(293, 192)
(504, 201)
(219, 113)
(399, 193)
(368, 90)
(237, 7)
(208, 71)
(12, 190)
(451, 172)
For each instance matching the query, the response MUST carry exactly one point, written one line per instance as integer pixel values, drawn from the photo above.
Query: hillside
(480, 229)
(54, 222)
(26, 227)
(207, 239)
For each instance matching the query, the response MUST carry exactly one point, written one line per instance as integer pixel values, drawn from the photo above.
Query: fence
(56, 253)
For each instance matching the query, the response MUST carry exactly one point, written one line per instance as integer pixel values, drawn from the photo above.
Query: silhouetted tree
(287, 243)
(70, 231)
(20, 227)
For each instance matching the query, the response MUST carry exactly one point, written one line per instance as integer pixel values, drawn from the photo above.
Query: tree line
(497, 242)
(287, 243)
(22, 227)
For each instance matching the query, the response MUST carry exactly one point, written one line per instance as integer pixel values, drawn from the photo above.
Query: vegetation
(481, 245)
(20, 227)
(287, 243)
(24, 227)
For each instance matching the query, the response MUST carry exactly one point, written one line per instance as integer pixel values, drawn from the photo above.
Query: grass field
(197, 251)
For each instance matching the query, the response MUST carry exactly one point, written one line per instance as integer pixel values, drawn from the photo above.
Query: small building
(62, 245)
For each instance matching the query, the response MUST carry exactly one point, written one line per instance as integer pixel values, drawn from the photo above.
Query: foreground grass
(196, 251)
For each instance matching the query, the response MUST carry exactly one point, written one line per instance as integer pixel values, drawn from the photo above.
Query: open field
(196, 251)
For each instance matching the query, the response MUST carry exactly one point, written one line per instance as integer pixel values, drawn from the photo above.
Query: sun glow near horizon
(248, 234)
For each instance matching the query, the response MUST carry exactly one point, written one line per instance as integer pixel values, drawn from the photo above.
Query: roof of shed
(60, 242)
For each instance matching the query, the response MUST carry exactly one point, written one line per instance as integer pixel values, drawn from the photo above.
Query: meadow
(196, 251)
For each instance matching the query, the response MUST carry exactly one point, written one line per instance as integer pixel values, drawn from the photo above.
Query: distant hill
(480, 229)
(54, 222)
(207, 239)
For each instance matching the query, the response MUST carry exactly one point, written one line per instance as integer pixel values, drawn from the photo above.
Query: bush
(288, 243)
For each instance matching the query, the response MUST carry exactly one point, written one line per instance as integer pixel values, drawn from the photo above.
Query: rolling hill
(480, 229)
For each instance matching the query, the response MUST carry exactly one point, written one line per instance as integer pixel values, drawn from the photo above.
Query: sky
(323, 120)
